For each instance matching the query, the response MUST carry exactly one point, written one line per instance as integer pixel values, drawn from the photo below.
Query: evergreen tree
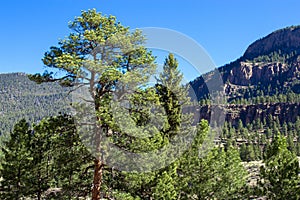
(243, 152)
(290, 144)
(17, 163)
(279, 176)
(218, 175)
(165, 187)
(173, 96)
(49, 161)
(257, 152)
(41, 151)
(71, 162)
(240, 125)
(101, 52)
(250, 153)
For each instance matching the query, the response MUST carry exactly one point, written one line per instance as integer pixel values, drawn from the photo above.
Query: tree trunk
(97, 179)
(98, 162)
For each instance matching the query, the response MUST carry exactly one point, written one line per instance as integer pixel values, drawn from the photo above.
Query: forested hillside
(144, 145)
(21, 98)
(263, 95)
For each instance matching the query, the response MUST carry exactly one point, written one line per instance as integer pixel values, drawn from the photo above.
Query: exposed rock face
(286, 112)
(248, 72)
(254, 73)
(245, 71)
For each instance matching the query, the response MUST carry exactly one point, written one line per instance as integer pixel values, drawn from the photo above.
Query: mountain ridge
(263, 68)
(21, 98)
(285, 40)
(267, 70)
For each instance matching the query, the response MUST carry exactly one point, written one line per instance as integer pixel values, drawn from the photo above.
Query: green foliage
(48, 156)
(99, 44)
(276, 56)
(165, 186)
(21, 98)
(252, 140)
(48, 160)
(280, 175)
(109, 59)
(171, 96)
(219, 175)
(16, 165)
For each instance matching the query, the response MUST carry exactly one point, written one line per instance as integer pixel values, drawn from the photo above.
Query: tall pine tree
(99, 52)
(280, 174)
(16, 164)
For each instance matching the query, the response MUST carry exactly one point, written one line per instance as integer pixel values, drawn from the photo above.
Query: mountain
(286, 40)
(262, 89)
(263, 81)
(21, 98)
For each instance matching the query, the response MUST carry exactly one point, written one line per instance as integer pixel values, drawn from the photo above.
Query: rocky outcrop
(270, 65)
(286, 40)
(286, 112)
(250, 73)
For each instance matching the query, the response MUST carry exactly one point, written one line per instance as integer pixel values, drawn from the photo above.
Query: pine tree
(243, 152)
(71, 162)
(290, 144)
(172, 97)
(16, 164)
(165, 187)
(279, 176)
(218, 175)
(250, 153)
(48, 160)
(240, 125)
(101, 52)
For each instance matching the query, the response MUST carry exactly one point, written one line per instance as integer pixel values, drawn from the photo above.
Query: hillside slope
(22, 98)
(266, 75)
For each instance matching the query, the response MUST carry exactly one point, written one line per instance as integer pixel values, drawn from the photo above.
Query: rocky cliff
(269, 67)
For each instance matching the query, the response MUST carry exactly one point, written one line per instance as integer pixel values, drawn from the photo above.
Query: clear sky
(223, 28)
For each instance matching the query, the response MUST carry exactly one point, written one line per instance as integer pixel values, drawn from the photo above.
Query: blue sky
(223, 28)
